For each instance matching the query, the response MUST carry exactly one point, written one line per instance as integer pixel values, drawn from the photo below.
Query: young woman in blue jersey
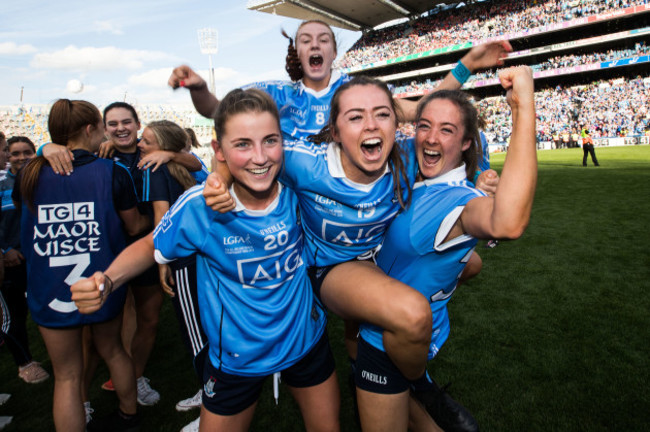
(304, 102)
(439, 231)
(74, 225)
(20, 150)
(257, 305)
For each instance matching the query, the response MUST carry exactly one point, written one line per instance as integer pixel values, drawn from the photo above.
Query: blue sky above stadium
(126, 49)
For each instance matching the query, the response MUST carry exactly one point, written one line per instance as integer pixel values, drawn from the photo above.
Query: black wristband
(108, 285)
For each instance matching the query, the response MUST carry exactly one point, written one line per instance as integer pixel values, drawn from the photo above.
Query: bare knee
(415, 320)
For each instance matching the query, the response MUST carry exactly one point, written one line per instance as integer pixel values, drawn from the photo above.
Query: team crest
(208, 388)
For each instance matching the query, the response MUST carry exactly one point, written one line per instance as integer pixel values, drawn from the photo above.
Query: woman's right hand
(89, 294)
(216, 194)
(59, 157)
(106, 149)
(519, 84)
(184, 76)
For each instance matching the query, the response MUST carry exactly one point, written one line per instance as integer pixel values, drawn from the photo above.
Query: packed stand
(556, 62)
(476, 23)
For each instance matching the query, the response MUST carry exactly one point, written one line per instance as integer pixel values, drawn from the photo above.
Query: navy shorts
(226, 394)
(316, 276)
(376, 372)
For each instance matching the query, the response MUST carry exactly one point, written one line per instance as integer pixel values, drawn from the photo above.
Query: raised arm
(507, 214)
(205, 102)
(482, 56)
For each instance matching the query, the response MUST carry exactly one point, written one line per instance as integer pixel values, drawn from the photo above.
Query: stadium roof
(347, 14)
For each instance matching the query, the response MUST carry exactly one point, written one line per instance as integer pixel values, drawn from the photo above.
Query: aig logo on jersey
(68, 212)
(270, 271)
(352, 234)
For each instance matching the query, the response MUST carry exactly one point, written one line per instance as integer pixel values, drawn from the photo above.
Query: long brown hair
(397, 154)
(469, 120)
(172, 137)
(67, 121)
(292, 65)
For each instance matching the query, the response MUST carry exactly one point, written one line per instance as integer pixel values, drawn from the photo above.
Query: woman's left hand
(166, 279)
(488, 181)
(155, 159)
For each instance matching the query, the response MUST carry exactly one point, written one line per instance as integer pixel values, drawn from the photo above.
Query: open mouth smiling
(316, 60)
(371, 147)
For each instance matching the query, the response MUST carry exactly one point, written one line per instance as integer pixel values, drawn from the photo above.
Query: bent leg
(360, 291)
(64, 349)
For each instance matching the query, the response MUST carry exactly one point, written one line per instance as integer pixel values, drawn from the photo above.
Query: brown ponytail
(292, 66)
(66, 121)
(28, 179)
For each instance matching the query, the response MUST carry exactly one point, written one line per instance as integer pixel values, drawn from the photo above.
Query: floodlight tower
(208, 41)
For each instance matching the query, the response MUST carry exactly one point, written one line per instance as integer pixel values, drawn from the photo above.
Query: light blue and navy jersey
(303, 111)
(9, 216)
(415, 251)
(201, 175)
(74, 231)
(130, 161)
(341, 219)
(484, 161)
(160, 185)
(256, 302)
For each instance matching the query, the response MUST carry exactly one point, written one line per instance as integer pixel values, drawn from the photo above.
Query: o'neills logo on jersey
(377, 379)
(64, 229)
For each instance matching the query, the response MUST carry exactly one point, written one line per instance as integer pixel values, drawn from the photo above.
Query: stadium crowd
(608, 108)
(557, 62)
(461, 25)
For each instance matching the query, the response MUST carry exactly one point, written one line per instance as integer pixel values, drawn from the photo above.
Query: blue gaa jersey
(256, 303)
(303, 111)
(414, 251)
(484, 161)
(73, 232)
(201, 175)
(342, 219)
